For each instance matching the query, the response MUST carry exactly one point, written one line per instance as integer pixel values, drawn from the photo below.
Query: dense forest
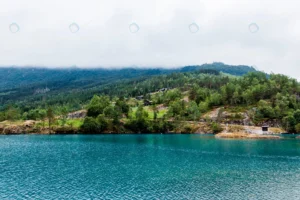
(32, 87)
(154, 100)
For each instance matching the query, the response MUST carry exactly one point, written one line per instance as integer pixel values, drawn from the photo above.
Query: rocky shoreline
(229, 131)
(241, 135)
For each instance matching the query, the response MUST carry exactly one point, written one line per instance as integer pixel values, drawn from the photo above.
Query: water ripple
(146, 167)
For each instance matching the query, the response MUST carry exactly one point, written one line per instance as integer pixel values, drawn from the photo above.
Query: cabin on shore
(265, 128)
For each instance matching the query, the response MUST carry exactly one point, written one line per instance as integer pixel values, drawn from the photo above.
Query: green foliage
(297, 116)
(12, 113)
(215, 99)
(97, 105)
(274, 96)
(172, 95)
(141, 114)
(203, 106)
(297, 127)
(187, 129)
(124, 107)
(90, 125)
(94, 125)
(265, 110)
(2, 116)
(193, 111)
(175, 108)
(50, 115)
(289, 123)
(216, 127)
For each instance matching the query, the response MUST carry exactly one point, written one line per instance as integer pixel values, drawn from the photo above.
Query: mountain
(16, 77)
(32, 85)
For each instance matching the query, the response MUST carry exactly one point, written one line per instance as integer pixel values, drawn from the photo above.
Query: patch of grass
(236, 109)
(160, 113)
(8, 123)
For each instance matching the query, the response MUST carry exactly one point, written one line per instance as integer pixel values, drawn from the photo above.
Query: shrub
(297, 127)
(216, 128)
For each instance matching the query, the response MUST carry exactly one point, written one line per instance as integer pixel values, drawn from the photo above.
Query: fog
(151, 33)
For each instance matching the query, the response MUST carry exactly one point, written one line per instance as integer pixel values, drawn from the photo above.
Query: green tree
(297, 127)
(193, 111)
(43, 116)
(265, 109)
(97, 105)
(12, 114)
(297, 116)
(289, 123)
(215, 99)
(50, 116)
(203, 106)
(216, 128)
(2, 116)
(64, 112)
(90, 125)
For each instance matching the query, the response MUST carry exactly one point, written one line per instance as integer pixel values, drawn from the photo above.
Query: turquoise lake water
(147, 167)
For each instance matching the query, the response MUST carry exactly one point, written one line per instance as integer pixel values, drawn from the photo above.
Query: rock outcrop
(12, 129)
(77, 114)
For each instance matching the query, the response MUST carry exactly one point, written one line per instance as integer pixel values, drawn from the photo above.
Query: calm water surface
(147, 167)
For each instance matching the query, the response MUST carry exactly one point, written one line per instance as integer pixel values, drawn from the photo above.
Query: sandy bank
(241, 135)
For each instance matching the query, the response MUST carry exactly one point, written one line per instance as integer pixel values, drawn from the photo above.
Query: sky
(151, 33)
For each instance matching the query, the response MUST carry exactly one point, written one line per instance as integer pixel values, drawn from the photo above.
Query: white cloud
(164, 38)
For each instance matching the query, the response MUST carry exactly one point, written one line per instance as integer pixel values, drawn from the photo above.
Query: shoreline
(237, 136)
(228, 131)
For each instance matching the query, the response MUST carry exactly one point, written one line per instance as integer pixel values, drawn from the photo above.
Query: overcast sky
(164, 37)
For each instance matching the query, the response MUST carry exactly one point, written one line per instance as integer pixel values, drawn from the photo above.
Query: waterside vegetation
(202, 100)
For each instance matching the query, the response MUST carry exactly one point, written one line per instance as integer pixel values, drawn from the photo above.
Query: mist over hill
(54, 78)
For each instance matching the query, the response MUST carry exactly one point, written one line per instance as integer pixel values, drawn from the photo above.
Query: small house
(265, 128)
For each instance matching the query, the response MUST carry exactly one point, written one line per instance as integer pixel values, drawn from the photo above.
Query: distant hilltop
(39, 77)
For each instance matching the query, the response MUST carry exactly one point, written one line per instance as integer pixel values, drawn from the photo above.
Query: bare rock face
(13, 129)
(1, 129)
(77, 114)
(29, 124)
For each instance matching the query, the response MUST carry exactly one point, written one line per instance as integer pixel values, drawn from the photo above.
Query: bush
(235, 128)
(216, 128)
(297, 127)
(187, 129)
(289, 123)
(92, 125)
(203, 107)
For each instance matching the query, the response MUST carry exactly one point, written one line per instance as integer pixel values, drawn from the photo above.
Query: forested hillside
(32, 87)
(166, 102)
(15, 77)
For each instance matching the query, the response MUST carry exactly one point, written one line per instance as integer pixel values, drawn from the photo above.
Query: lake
(147, 167)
